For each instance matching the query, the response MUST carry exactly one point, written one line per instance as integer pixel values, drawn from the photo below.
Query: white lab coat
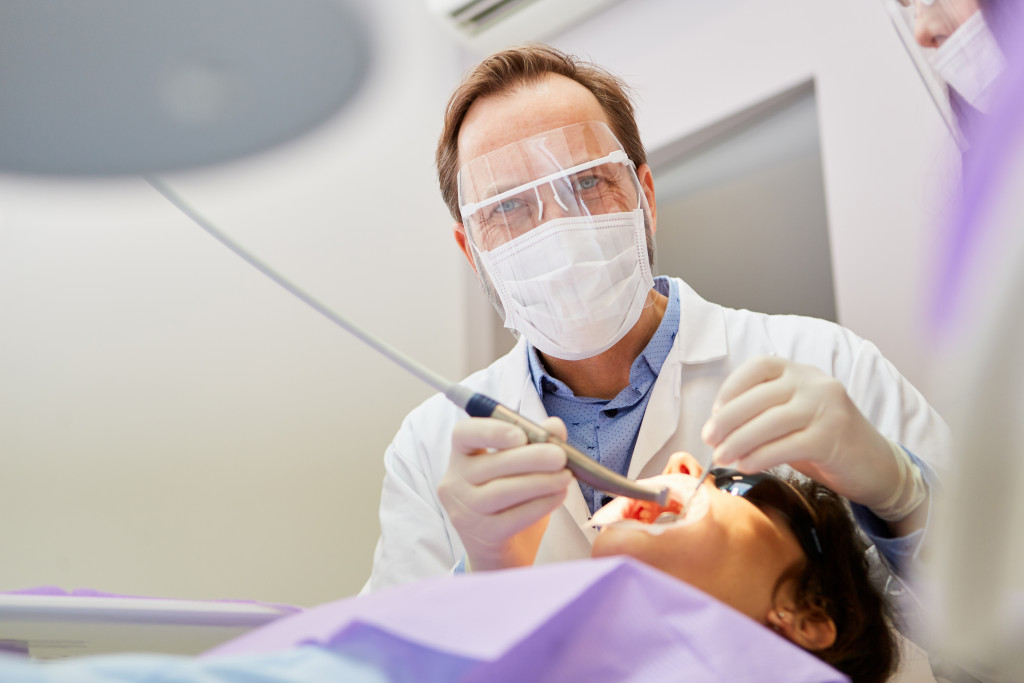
(417, 538)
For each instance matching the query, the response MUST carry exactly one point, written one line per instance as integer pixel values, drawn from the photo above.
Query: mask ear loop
(640, 204)
(490, 289)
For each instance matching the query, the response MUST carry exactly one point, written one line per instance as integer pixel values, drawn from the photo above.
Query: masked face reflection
(936, 20)
(744, 555)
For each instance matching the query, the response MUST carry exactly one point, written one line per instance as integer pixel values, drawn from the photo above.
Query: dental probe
(475, 404)
(700, 482)
(669, 517)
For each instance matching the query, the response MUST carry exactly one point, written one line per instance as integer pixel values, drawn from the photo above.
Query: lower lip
(682, 489)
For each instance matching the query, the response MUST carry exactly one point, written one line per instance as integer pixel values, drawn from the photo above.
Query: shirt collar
(646, 365)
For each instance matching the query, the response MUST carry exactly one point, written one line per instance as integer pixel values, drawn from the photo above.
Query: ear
(683, 463)
(647, 184)
(810, 628)
(459, 231)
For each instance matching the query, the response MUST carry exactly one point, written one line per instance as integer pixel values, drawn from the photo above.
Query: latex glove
(500, 491)
(771, 411)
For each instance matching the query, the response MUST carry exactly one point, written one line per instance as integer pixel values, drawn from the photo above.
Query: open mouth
(650, 517)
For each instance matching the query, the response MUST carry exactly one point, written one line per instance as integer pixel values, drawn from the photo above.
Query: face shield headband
(576, 192)
(557, 224)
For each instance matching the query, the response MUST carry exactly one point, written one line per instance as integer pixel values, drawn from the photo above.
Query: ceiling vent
(489, 25)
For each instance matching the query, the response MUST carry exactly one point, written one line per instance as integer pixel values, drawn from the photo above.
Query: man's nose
(929, 31)
(557, 200)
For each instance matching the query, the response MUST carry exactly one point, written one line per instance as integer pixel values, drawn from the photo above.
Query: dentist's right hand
(500, 490)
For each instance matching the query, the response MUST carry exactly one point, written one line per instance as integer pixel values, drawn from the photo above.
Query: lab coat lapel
(576, 505)
(662, 417)
(701, 338)
(516, 390)
(519, 394)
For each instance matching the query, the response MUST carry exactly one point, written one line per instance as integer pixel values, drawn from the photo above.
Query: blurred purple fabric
(605, 619)
(993, 142)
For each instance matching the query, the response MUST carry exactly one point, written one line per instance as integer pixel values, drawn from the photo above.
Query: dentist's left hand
(500, 491)
(771, 411)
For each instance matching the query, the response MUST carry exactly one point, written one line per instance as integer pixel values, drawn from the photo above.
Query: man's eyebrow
(495, 189)
(617, 156)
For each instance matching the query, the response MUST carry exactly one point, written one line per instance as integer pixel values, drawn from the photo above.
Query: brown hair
(514, 68)
(839, 585)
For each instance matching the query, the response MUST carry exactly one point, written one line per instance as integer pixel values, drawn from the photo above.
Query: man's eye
(587, 182)
(508, 206)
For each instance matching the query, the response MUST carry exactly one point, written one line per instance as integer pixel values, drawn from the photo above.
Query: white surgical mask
(970, 61)
(574, 286)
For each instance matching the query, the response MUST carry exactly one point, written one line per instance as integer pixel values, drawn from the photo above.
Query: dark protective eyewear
(767, 490)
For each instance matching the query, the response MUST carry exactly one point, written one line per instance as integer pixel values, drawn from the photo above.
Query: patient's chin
(619, 541)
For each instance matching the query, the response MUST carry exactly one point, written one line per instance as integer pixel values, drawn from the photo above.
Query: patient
(783, 552)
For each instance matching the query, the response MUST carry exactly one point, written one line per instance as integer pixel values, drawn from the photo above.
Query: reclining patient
(785, 554)
(782, 551)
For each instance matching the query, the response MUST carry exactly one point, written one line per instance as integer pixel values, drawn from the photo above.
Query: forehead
(499, 120)
(523, 164)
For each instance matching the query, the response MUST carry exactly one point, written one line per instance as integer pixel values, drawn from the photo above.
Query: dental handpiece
(582, 467)
(475, 404)
(669, 517)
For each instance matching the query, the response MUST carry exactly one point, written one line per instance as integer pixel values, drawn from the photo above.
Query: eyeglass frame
(616, 157)
(798, 513)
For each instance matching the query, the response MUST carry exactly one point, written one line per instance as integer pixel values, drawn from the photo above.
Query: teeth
(667, 517)
(665, 521)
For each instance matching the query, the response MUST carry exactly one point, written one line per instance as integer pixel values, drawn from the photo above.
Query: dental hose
(475, 404)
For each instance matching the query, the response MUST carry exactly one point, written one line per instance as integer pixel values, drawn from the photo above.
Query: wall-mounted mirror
(741, 209)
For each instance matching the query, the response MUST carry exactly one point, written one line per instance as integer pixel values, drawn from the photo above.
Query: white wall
(171, 422)
(884, 146)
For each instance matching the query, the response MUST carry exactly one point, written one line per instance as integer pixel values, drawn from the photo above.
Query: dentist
(541, 165)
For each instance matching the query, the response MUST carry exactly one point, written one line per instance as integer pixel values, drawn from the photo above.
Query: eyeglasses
(767, 490)
(592, 188)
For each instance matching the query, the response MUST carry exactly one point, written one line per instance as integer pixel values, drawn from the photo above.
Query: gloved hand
(500, 491)
(771, 411)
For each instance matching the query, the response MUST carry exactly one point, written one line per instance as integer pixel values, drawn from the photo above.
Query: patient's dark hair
(839, 585)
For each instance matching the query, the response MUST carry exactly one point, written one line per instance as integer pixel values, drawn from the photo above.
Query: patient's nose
(683, 463)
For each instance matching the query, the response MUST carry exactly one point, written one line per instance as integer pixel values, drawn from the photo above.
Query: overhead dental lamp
(112, 87)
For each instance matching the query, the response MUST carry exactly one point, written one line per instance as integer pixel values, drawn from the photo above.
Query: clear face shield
(953, 49)
(558, 224)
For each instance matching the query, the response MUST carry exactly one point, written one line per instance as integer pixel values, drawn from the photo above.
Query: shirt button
(606, 500)
(611, 412)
